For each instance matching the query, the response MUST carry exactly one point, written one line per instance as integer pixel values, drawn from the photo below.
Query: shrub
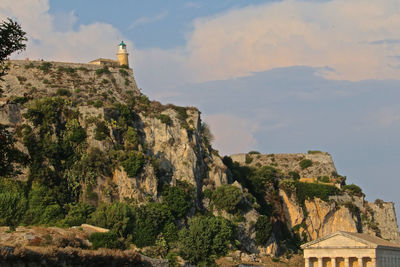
(45, 67)
(249, 159)
(43, 206)
(77, 214)
(294, 175)
(133, 163)
(226, 197)
(98, 103)
(123, 72)
(105, 240)
(101, 132)
(353, 190)
(311, 190)
(21, 79)
(305, 163)
(102, 71)
(206, 237)
(177, 201)
(12, 207)
(131, 138)
(324, 179)
(118, 217)
(263, 230)
(68, 70)
(63, 92)
(165, 119)
(254, 152)
(144, 100)
(150, 221)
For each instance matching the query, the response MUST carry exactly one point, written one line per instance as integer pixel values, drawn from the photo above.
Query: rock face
(317, 218)
(177, 146)
(176, 151)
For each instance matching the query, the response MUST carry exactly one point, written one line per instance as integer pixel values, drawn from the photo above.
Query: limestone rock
(293, 212)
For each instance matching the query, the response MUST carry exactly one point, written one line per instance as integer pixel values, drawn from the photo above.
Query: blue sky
(273, 76)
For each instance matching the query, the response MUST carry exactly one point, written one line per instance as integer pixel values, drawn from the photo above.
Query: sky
(281, 76)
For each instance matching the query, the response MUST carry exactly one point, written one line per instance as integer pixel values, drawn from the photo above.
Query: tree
(12, 39)
(226, 197)
(11, 157)
(205, 239)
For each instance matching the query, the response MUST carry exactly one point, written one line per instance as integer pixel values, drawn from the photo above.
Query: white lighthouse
(122, 55)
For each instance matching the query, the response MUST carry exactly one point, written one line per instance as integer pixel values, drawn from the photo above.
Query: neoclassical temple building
(343, 249)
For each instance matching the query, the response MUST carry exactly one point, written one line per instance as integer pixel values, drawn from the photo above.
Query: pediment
(338, 241)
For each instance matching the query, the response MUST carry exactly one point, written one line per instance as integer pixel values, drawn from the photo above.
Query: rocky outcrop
(342, 213)
(175, 150)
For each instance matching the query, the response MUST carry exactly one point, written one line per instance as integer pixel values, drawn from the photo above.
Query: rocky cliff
(344, 209)
(171, 138)
(102, 140)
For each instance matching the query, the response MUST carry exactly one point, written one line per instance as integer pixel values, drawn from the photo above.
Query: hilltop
(100, 152)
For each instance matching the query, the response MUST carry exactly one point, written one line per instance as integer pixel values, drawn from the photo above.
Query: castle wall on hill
(322, 163)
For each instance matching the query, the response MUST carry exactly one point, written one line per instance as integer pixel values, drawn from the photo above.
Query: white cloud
(338, 34)
(147, 20)
(48, 41)
(232, 134)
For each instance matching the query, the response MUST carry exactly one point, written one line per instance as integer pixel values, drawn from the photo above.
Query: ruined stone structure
(344, 249)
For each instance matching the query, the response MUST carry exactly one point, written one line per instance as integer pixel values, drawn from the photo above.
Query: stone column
(320, 262)
(307, 262)
(360, 262)
(333, 262)
(346, 262)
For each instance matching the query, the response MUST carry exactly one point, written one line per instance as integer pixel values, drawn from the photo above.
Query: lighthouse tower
(122, 55)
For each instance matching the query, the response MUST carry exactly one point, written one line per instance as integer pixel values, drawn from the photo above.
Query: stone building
(344, 249)
(122, 58)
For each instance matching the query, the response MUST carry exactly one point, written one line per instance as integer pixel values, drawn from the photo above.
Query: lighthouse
(122, 55)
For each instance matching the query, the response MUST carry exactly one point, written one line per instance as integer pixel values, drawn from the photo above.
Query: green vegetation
(45, 67)
(101, 132)
(205, 239)
(77, 214)
(105, 240)
(226, 197)
(12, 158)
(324, 179)
(102, 71)
(123, 72)
(118, 217)
(165, 119)
(294, 175)
(305, 163)
(249, 159)
(63, 92)
(312, 190)
(133, 163)
(254, 153)
(98, 103)
(263, 230)
(68, 70)
(177, 200)
(353, 190)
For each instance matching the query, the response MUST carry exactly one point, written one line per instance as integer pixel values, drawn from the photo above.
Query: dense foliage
(226, 197)
(206, 238)
(263, 230)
